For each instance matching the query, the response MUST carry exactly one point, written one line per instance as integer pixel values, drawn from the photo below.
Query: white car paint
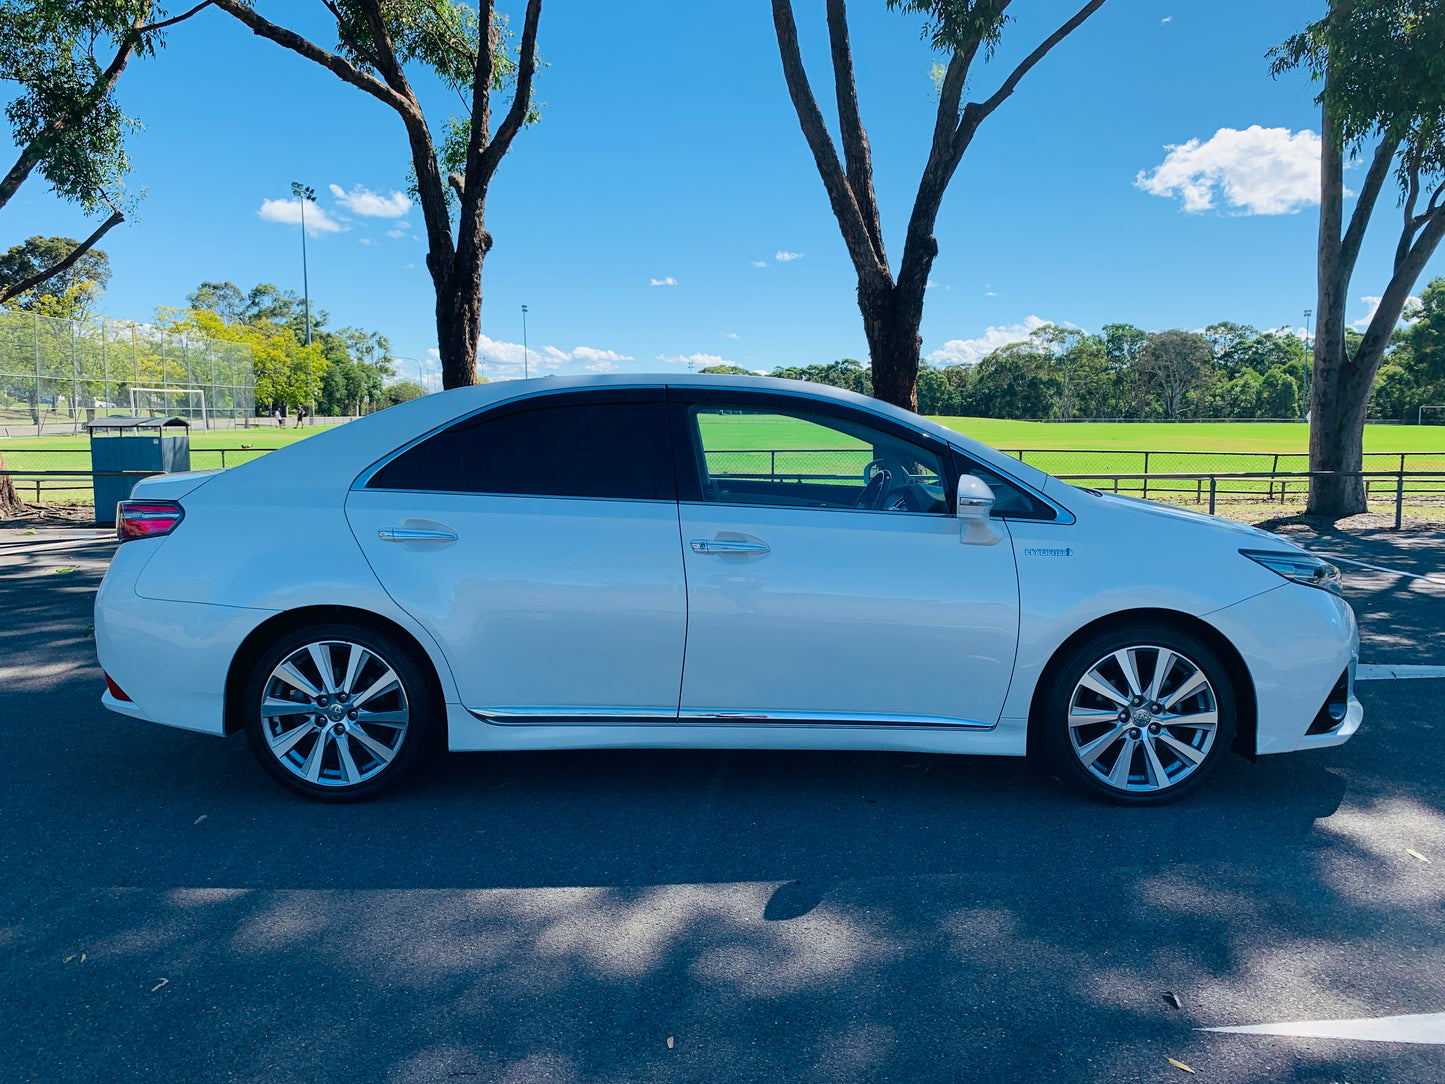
(601, 612)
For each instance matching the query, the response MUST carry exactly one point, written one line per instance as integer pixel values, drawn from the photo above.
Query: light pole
(525, 367)
(421, 378)
(304, 195)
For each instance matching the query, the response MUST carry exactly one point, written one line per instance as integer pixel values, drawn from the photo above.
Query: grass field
(1259, 437)
(1093, 450)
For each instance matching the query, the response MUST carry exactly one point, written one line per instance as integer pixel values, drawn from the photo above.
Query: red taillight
(146, 519)
(115, 690)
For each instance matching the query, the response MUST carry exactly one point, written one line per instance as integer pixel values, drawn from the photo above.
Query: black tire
(358, 759)
(1067, 747)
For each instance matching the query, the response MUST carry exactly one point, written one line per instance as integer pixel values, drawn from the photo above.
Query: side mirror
(974, 503)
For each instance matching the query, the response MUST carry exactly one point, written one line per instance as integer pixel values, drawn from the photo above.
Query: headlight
(1300, 567)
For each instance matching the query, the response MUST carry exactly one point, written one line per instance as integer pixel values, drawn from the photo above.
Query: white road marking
(1425, 1028)
(1389, 672)
(1377, 568)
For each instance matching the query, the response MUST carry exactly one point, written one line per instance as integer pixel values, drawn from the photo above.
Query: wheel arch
(1246, 725)
(273, 628)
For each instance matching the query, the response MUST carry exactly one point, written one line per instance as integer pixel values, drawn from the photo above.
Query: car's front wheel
(337, 712)
(1138, 715)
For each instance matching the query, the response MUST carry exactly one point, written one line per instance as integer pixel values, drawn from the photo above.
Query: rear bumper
(1296, 642)
(171, 658)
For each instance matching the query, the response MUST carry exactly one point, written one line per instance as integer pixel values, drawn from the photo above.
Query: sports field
(746, 433)
(1094, 453)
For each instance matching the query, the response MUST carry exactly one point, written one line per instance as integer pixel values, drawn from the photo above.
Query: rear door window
(602, 446)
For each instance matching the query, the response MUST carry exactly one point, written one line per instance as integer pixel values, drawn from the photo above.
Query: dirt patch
(51, 515)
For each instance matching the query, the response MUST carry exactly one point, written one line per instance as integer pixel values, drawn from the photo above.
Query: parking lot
(168, 913)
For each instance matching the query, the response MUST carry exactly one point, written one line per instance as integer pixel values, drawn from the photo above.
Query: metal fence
(55, 375)
(1394, 479)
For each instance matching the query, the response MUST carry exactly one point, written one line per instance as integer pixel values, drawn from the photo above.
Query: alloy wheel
(1143, 719)
(334, 713)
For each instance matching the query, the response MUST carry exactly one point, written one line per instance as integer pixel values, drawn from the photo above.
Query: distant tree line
(1228, 370)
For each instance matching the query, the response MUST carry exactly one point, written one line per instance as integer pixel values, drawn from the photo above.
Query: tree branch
(386, 61)
(289, 39)
(1365, 206)
(1407, 232)
(516, 116)
(1038, 54)
(152, 27)
(76, 253)
(856, 152)
(825, 156)
(1397, 293)
(35, 150)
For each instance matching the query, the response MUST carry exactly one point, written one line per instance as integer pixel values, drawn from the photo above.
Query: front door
(826, 579)
(538, 544)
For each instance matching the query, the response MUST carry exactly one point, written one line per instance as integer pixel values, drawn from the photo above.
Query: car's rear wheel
(1139, 715)
(337, 713)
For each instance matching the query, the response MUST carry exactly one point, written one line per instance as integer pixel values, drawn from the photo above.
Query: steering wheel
(877, 488)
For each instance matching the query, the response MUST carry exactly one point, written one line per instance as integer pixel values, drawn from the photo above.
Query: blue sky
(668, 153)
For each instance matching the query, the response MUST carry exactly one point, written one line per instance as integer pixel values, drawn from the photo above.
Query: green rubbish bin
(161, 445)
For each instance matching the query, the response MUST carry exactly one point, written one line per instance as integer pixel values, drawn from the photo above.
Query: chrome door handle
(416, 534)
(722, 547)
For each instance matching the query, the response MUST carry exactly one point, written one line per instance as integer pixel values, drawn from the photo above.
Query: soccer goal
(188, 403)
(1432, 413)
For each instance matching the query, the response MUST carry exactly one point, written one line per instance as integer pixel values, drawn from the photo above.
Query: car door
(538, 543)
(826, 578)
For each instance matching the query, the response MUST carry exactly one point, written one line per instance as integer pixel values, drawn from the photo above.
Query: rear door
(538, 543)
(826, 578)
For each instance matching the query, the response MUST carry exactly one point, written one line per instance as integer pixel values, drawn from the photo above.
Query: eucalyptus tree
(60, 61)
(467, 47)
(892, 304)
(1380, 66)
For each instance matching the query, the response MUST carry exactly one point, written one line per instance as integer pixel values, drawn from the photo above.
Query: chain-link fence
(56, 375)
(1144, 473)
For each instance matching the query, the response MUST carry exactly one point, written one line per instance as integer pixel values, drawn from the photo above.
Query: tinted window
(616, 450)
(791, 458)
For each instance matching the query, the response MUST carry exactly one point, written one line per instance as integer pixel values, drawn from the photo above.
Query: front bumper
(1296, 642)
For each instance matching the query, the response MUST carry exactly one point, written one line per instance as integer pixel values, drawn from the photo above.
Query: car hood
(1228, 530)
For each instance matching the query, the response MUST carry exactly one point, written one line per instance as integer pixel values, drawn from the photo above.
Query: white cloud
(669, 281)
(1166, 19)
(972, 351)
(930, 284)
(288, 213)
(503, 360)
(369, 204)
(760, 263)
(729, 334)
(400, 231)
(698, 360)
(1410, 315)
(1259, 171)
(363, 240)
(785, 257)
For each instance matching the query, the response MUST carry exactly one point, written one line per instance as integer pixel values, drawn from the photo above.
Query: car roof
(315, 469)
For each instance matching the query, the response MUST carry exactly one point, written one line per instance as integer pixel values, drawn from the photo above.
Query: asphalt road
(167, 913)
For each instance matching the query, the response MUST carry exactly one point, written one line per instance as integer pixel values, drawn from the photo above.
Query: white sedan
(706, 562)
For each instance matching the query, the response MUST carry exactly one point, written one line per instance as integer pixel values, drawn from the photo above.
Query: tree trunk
(9, 500)
(459, 325)
(1336, 438)
(890, 323)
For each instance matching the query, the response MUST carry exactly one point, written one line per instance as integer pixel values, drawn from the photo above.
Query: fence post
(39, 415)
(1198, 490)
(1213, 481)
(1399, 492)
(1146, 476)
(1272, 472)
